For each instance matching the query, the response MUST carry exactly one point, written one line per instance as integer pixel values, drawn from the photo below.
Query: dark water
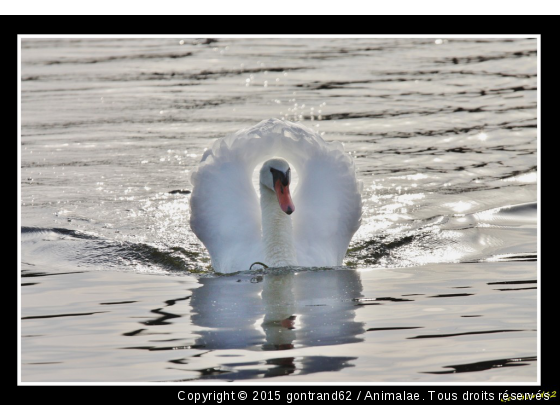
(441, 277)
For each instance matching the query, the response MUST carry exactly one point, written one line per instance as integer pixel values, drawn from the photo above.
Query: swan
(312, 229)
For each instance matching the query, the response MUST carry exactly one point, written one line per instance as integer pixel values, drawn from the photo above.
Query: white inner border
(287, 384)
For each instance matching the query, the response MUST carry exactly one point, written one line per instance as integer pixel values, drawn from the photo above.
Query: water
(439, 283)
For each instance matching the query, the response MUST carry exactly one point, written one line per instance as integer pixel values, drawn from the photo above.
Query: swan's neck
(278, 240)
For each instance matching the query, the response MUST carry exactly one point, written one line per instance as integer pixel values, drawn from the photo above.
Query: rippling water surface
(440, 278)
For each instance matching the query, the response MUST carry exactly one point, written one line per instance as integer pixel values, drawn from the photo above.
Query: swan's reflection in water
(277, 311)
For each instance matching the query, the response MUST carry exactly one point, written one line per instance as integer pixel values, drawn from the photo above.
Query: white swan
(312, 230)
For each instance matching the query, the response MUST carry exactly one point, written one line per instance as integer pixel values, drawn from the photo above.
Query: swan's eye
(288, 174)
(277, 175)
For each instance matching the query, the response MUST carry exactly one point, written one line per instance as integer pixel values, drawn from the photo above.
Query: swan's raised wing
(225, 212)
(328, 206)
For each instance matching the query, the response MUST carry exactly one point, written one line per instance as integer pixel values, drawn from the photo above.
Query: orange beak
(284, 197)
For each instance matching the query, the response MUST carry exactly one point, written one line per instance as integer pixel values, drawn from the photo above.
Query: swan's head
(275, 175)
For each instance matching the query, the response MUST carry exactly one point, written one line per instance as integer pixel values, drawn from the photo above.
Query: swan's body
(313, 230)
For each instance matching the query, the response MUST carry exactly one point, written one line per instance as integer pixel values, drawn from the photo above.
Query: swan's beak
(284, 197)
